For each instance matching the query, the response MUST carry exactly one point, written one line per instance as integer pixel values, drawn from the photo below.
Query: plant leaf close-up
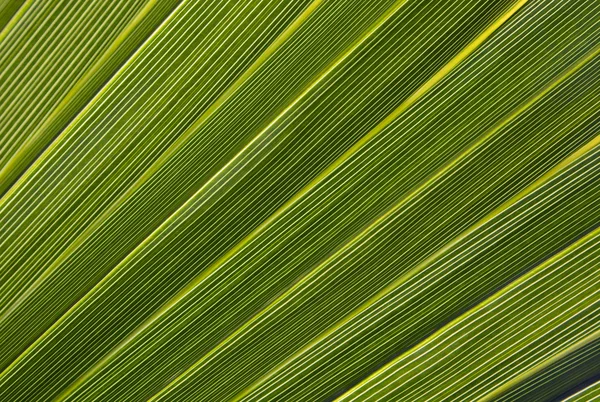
(299, 200)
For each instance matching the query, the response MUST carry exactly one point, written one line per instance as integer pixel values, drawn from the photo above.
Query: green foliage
(299, 200)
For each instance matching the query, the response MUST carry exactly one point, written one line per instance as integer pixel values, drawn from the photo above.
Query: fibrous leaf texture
(299, 200)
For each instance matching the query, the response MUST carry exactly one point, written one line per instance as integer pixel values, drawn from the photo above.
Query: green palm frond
(299, 200)
(590, 393)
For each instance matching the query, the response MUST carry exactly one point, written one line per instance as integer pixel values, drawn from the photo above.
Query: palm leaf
(299, 200)
(543, 312)
(10, 10)
(588, 394)
(54, 59)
